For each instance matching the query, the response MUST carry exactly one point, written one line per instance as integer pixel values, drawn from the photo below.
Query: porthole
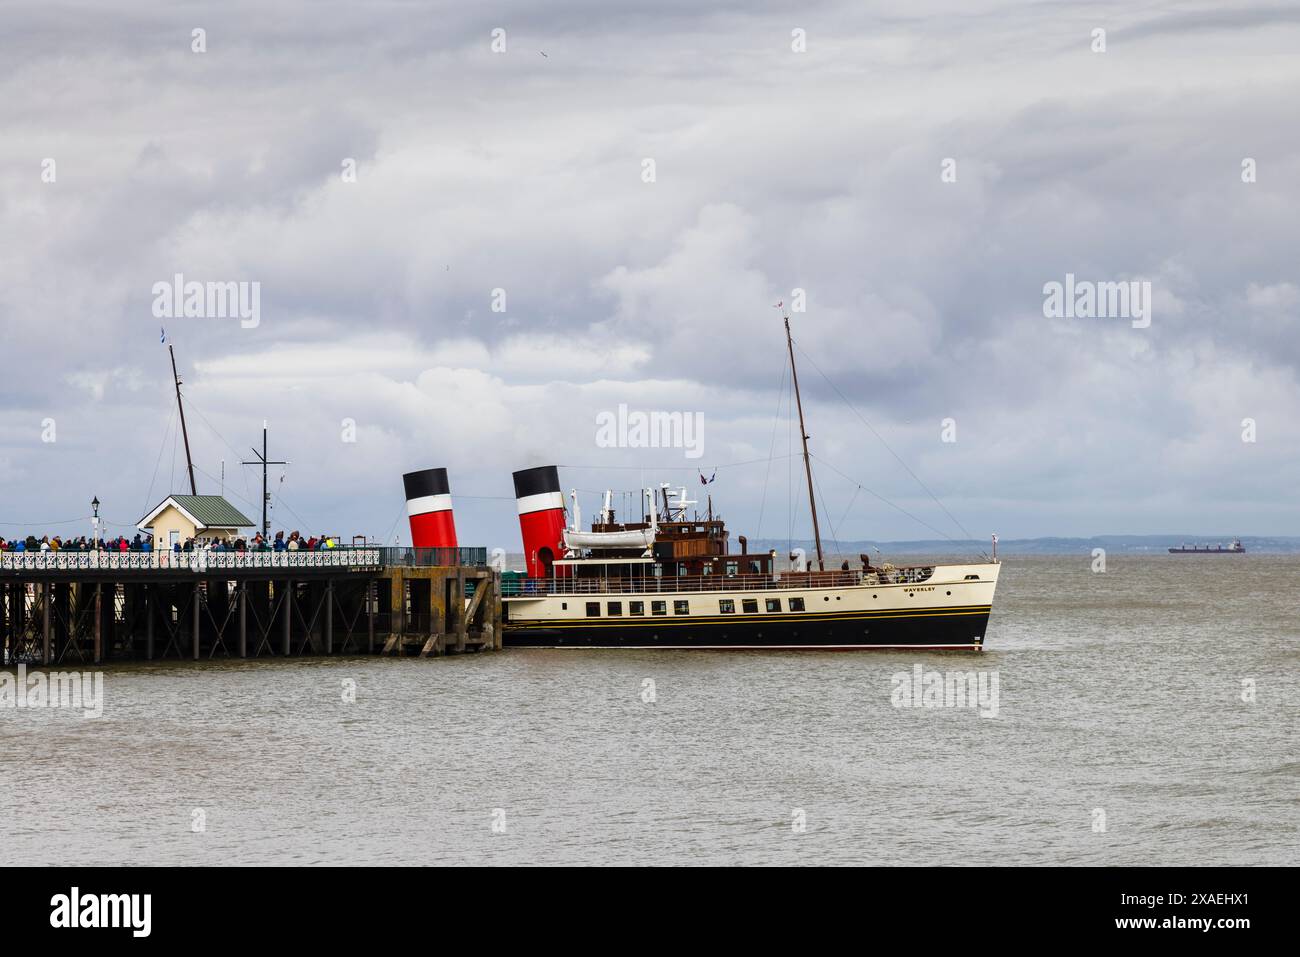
(947, 593)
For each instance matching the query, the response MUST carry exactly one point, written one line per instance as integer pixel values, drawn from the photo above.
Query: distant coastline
(1114, 544)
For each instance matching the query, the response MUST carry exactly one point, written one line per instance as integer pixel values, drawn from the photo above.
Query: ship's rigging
(813, 487)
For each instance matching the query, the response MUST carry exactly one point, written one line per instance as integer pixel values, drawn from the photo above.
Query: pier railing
(207, 560)
(407, 556)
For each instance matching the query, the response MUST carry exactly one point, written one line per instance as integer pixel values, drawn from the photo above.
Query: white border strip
(541, 502)
(428, 503)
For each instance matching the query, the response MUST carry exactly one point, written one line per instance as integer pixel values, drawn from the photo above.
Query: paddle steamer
(671, 579)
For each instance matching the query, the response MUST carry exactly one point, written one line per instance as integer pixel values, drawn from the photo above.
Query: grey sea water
(1121, 700)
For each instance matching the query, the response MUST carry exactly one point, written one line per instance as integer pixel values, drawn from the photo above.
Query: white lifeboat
(642, 538)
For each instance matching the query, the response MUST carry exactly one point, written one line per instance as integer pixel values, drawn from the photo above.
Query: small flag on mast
(163, 335)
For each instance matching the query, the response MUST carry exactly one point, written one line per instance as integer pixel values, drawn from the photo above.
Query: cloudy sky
(793, 147)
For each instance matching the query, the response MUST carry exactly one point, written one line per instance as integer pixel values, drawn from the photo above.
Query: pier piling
(107, 606)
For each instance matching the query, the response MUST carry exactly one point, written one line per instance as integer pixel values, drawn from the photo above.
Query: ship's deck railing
(205, 560)
(524, 587)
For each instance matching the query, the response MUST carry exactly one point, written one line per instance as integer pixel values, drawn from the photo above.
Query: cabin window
(796, 604)
(681, 608)
(636, 608)
(564, 606)
(593, 609)
(971, 578)
(733, 568)
(754, 569)
(726, 606)
(615, 609)
(774, 604)
(681, 570)
(659, 608)
(750, 606)
(658, 570)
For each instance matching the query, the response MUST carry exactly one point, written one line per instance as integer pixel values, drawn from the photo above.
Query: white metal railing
(524, 587)
(196, 561)
(635, 586)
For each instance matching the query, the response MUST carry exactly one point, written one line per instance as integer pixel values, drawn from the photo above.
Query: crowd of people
(85, 543)
(142, 543)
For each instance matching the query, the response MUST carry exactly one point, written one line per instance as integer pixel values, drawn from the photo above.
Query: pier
(58, 607)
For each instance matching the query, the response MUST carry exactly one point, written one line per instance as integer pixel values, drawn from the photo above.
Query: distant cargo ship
(1236, 548)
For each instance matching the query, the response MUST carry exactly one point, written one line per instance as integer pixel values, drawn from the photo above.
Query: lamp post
(94, 522)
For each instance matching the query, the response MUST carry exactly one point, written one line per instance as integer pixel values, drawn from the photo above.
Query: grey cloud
(775, 170)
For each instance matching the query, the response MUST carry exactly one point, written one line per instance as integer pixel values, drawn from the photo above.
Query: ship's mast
(189, 463)
(803, 433)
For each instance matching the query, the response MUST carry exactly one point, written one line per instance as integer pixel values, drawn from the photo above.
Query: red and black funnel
(428, 503)
(541, 519)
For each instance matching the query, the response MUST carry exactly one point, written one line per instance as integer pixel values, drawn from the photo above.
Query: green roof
(212, 511)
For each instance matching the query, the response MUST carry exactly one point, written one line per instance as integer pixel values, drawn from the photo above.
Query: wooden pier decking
(93, 607)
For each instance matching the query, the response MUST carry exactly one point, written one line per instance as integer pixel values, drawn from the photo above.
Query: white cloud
(1276, 296)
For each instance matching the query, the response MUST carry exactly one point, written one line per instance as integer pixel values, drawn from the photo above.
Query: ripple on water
(1119, 692)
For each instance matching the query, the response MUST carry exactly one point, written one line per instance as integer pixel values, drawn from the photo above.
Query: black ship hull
(940, 628)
